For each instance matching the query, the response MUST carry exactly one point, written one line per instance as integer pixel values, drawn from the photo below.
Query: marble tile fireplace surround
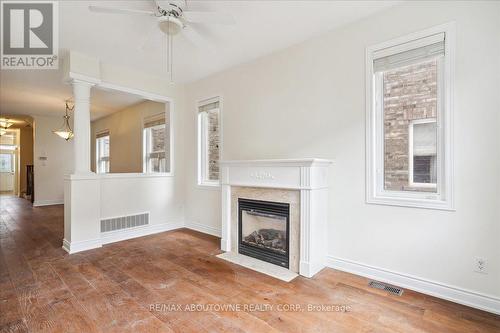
(281, 207)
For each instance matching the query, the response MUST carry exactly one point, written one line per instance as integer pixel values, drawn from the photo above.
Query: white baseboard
(309, 269)
(450, 293)
(119, 235)
(204, 229)
(79, 246)
(39, 203)
(124, 234)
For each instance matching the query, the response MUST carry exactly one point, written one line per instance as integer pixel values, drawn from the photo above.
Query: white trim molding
(150, 229)
(119, 235)
(40, 203)
(375, 192)
(424, 286)
(201, 142)
(74, 247)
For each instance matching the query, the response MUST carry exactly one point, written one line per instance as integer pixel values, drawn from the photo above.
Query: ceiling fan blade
(193, 36)
(156, 5)
(114, 10)
(149, 40)
(208, 17)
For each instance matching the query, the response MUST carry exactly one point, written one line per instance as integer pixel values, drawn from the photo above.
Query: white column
(81, 127)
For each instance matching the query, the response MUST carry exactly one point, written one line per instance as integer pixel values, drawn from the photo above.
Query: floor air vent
(124, 222)
(382, 286)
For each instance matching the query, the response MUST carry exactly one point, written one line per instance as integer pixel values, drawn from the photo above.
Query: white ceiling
(42, 92)
(261, 28)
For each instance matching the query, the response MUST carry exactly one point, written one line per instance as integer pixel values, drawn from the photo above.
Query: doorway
(7, 172)
(9, 162)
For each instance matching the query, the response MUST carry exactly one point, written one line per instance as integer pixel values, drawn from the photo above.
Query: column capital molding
(77, 78)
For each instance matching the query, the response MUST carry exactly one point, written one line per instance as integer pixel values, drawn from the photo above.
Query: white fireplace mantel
(309, 176)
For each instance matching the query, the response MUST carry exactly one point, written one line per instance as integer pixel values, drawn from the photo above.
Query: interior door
(7, 171)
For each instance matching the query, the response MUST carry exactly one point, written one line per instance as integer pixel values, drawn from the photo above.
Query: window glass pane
(102, 145)
(158, 139)
(410, 104)
(156, 148)
(424, 153)
(213, 144)
(6, 163)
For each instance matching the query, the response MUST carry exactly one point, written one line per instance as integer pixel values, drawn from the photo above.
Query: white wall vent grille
(124, 222)
(382, 286)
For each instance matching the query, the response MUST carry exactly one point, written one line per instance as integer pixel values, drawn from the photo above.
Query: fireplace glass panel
(264, 230)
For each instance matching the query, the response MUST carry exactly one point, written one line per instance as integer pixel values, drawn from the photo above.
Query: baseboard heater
(124, 222)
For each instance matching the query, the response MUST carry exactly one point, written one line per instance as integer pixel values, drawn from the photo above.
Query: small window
(102, 152)
(209, 142)
(409, 121)
(6, 163)
(156, 144)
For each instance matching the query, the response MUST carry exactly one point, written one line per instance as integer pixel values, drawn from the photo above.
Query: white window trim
(97, 157)
(169, 111)
(410, 153)
(375, 193)
(201, 144)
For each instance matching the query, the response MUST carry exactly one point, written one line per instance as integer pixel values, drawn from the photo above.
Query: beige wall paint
(125, 135)
(26, 154)
(309, 101)
(49, 174)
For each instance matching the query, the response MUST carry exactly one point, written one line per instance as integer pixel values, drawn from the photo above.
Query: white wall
(309, 101)
(128, 195)
(49, 174)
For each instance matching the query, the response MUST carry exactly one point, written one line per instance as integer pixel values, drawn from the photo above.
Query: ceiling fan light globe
(170, 25)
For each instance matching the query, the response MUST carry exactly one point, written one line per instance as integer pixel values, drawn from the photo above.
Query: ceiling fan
(173, 18)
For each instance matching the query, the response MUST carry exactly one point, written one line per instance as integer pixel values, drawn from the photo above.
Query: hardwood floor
(134, 286)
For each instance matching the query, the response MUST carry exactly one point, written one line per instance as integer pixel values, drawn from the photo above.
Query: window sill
(411, 202)
(136, 175)
(209, 186)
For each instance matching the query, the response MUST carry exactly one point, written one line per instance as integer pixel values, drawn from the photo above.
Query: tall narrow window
(102, 152)
(209, 142)
(408, 131)
(156, 142)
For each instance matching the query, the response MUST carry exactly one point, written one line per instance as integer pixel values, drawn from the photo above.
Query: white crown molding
(424, 286)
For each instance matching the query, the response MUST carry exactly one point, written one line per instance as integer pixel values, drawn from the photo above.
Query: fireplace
(264, 231)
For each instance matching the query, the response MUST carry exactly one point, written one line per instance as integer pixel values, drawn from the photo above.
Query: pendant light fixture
(65, 131)
(4, 124)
